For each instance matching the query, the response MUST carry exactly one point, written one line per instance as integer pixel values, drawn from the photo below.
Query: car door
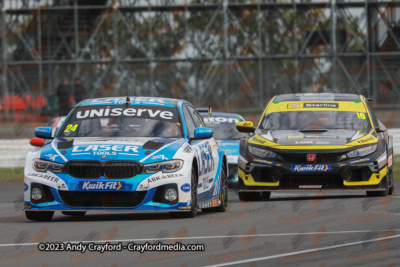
(206, 151)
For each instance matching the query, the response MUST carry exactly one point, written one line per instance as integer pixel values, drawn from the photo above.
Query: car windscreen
(225, 131)
(122, 121)
(314, 120)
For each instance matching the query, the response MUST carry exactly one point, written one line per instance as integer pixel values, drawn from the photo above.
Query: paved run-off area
(297, 228)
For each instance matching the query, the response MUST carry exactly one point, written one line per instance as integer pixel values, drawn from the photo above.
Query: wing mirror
(245, 127)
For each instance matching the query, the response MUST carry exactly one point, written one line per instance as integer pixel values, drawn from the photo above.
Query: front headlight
(262, 153)
(164, 166)
(40, 165)
(361, 152)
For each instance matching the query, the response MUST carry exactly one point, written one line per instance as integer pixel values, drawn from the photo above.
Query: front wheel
(193, 200)
(383, 193)
(41, 216)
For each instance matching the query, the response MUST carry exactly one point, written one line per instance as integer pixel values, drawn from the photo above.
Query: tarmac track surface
(294, 228)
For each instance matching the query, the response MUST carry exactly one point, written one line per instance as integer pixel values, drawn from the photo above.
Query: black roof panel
(318, 97)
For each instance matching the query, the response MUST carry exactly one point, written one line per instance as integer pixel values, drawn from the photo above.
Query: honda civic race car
(227, 136)
(315, 141)
(136, 154)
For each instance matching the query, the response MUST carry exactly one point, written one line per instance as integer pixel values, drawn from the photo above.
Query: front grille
(298, 180)
(233, 169)
(301, 158)
(121, 169)
(92, 169)
(102, 198)
(88, 169)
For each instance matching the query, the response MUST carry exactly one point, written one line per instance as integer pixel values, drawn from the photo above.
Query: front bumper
(149, 200)
(143, 192)
(265, 175)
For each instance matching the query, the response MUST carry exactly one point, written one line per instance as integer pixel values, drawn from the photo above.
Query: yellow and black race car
(317, 142)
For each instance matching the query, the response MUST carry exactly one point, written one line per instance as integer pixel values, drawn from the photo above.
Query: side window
(189, 122)
(198, 122)
(373, 117)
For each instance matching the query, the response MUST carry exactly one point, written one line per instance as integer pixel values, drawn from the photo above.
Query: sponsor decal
(304, 142)
(160, 157)
(263, 161)
(53, 203)
(220, 120)
(311, 168)
(101, 186)
(184, 207)
(26, 187)
(296, 105)
(322, 143)
(224, 143)
(390, 161)
(185, 187)
(159, 113)
(200, 185)
(206, 159)
(359, 161)
(159, 178)
(321, 105)
(310, 186)
(362, 141)
(295, 136)
(110, 150)
(52, 157)
(209, 204)
(44, 176)
(325, 136)
(27, 206)
(258, 140)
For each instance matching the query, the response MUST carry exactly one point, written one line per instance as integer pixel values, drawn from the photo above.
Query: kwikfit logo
(311, 168)
(102, 186)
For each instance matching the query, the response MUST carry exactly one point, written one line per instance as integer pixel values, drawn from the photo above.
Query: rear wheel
(41, 216)
(193, 200)
(74, 213)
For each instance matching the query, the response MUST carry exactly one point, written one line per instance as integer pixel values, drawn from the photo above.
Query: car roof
(318, 97)
(221, 114)
(148, 101)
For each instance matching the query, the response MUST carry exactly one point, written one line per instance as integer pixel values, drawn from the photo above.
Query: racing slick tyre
(391, 188)
(265, 195)
(41, 216)
(193, 194)
(74, 213)
(223, 194)
(380, 193)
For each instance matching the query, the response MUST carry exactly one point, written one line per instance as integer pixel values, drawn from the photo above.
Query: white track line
(203, 237)
(304, 251)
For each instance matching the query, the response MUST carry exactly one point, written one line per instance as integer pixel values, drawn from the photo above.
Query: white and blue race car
(127, 153)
